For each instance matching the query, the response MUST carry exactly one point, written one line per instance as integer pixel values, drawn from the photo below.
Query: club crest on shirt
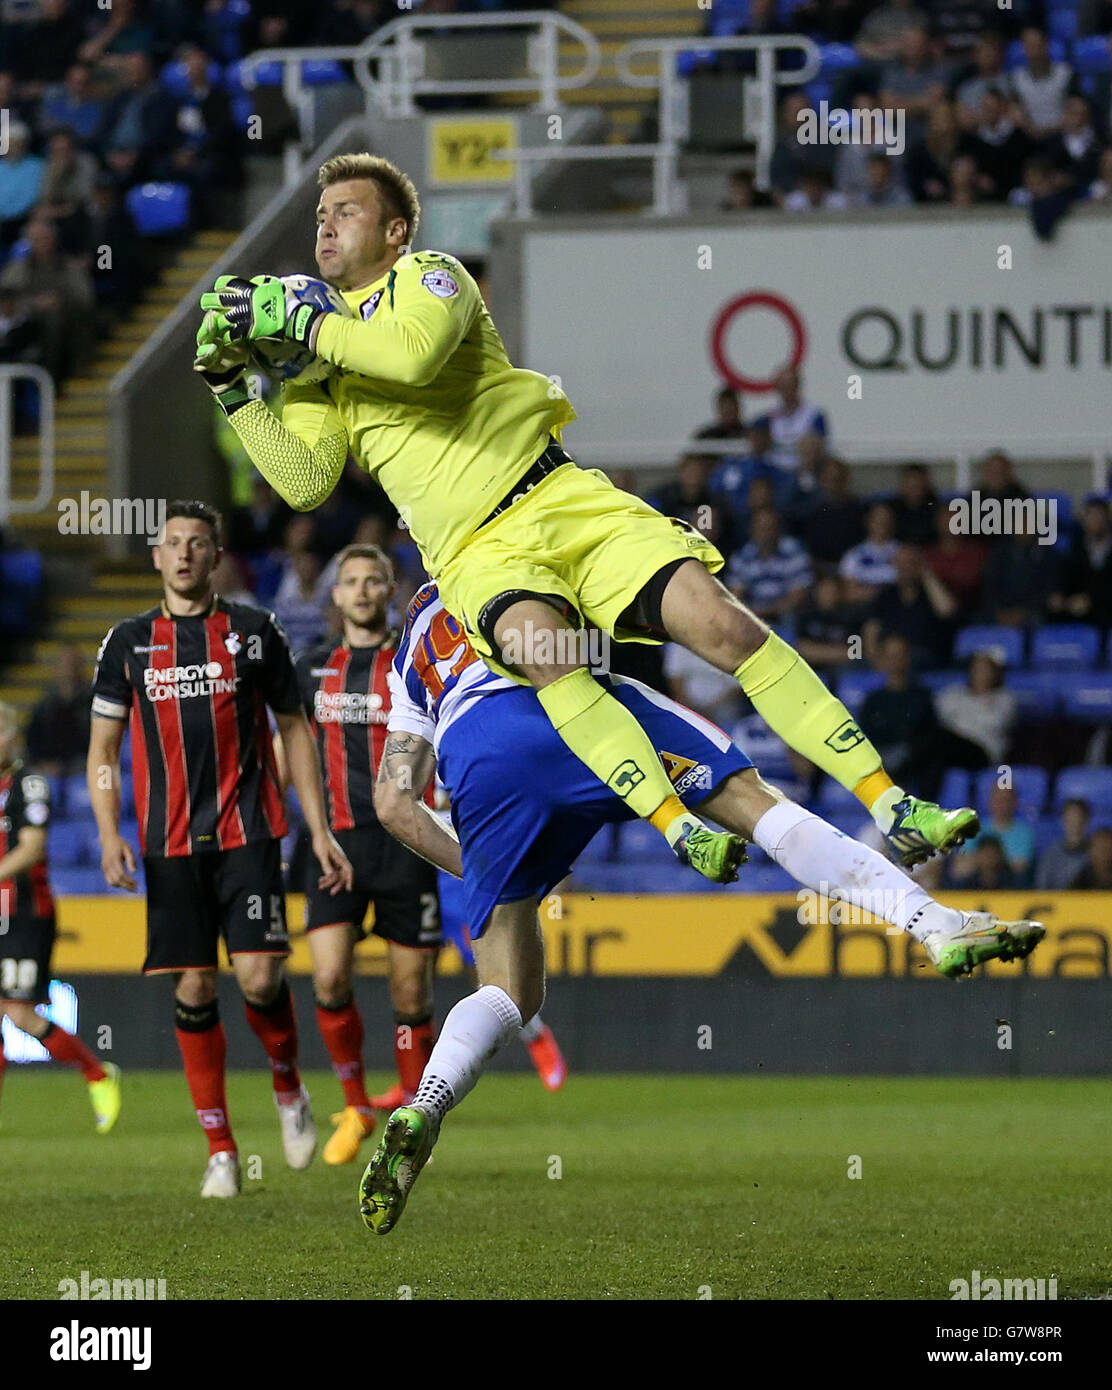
(233, 642)
(440, 283)
(368, 306)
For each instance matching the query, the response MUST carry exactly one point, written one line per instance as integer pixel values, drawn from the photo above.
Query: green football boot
(403, 1151)
(105, 1096)
(983, 937)
(716, 854)
(922, 829)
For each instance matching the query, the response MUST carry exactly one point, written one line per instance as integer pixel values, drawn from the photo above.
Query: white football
(287, 361)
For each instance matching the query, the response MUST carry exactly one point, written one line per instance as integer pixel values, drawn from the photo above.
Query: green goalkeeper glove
(257, 309)
(221, 365)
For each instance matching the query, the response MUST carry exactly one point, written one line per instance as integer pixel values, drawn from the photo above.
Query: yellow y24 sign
(460, 151)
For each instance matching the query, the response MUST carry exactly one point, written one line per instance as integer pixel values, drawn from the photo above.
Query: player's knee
(332, 988)
(259, 983)
(195, 988)
(411, 996)
(511, 633)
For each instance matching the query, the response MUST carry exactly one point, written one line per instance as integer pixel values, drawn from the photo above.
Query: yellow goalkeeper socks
(602, 733)
(795, 704)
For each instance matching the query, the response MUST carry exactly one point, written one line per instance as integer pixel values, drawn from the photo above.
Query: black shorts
(401, 885)
(195, 899)
(25, 950)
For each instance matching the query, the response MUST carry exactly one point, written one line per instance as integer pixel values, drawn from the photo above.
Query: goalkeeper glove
(258, 308)
(221, 365)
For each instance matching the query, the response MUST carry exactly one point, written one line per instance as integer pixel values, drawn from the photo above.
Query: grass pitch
(617, 1187)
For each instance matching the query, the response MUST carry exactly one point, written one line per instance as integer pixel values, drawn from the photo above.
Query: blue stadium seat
(243, 108)
(173, 78)
(1065, 647)
(639, 840)
(322, 72)
(76, 798)
(599, 851)
(834, 797)
(125, 754)
(77, 882)
(853, 687)
(1090, 700)
(837, 58)
(1047, 833)
(1091, 56)
(1030, 783)
(57, 798)
(158, 209)
(20, 587)
(67, 845)
(1064, 517)
(1039, 693)
(1061, 24)
(936, 681)
(1014, 56)
(977, 637)
(955, 788)
(222, 29)
(692, 58)
(265, 75)
(1092, 784)
(819, 90)
(129, 829)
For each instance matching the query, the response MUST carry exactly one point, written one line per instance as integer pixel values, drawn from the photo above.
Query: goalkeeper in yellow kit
(522, 542)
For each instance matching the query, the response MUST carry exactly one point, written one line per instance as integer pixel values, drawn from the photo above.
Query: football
(287, 361)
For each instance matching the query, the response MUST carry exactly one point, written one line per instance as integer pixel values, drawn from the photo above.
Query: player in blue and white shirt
(524, 806)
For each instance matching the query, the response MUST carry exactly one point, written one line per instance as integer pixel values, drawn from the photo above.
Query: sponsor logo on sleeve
(440, 283)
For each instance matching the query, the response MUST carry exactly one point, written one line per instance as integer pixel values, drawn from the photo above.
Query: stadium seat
(854, 686)
(125, 754)
(57, 798)
(835, 798)
(955, 788)
(1047, 833)
(267, 74)
(976, 638)
(1030, 783)
(20, 587)
(837, 58)
(1091, 56)
(1065, 647)
(692, 58)
(77, 882)
(76, 798)
(243, 108)
(174, 79)
(67, 844)
(936, 681)
(601, 848)
(158, 209)
(1064, 517)
(639, 840)
(1090, 700)
(322, 72)
(1091, 784)
(1038, 693)
(1061, 25)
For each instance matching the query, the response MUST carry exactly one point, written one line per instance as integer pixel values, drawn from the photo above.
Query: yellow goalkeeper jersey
(431, 405)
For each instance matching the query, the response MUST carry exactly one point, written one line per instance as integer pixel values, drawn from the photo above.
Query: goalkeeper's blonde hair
(396, 189)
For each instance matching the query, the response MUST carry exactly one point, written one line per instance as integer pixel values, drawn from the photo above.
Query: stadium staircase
(629, 111)
(87, 591)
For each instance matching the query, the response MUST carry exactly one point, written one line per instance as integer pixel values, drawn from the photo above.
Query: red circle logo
(755, 299)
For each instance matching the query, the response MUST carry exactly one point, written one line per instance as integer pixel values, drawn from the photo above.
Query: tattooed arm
(406, 769)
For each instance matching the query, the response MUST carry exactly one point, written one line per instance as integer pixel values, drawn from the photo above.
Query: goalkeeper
(524, 545)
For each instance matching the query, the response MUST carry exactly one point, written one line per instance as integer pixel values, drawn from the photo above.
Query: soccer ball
(278, 357)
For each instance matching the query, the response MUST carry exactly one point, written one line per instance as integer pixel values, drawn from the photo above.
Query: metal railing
(523, 158)
(401, 60)
(759, 90)
(14, 506)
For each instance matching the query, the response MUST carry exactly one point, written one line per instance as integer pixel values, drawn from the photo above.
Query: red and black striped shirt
(24, 800)
(196, 692)
(344, 692)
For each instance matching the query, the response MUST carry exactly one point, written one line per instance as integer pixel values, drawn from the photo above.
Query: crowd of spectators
(1000, 104)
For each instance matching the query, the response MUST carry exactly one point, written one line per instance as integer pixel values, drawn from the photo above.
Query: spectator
(347, 25)
(899, 719)
(998, 480)
(884, 188)
(815, 193)
(742, 193)
(872, 564)
(791, 159)
(966, 183)
(824, 625)
(1076, 149)
(1041, 86)
(930, 159)
(917, 605)
(915, 82)
(57, 296)
(851, 169)
(981, 712)
(1060, 864)
(988, 75)
(119, 285)
(958, 561)
(772, 572)
(73, 105)
(69, 180)
(734, 473)
(230, 581)
(832, 518)
(699, 685)
(1018, 579)
(142, 126)
(21, 175)
(914, 505)
(20, 333)
(281, 23)
(727, 423)
(986, 868)
(128, 30)
(258, 527)
(689, 497)
(792, 419)
(1011, 831)
(300, 604)
(880, 38)
(58, 733)
(831, 21)
(207, 155)
(1084, 594)
(1096, 874)
(997, 146)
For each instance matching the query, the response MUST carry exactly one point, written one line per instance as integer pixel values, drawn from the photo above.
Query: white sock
(883, 809)
(825, 860)
(473, 1032)
(532, 1030)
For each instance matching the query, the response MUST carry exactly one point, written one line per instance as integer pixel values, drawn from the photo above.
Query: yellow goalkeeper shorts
(577, 536)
